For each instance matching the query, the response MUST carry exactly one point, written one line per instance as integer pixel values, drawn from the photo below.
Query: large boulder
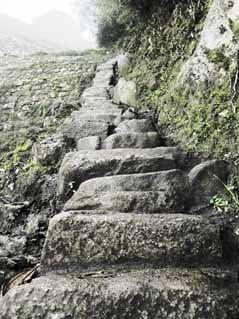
(152, 294)
(217, 36)
(207, 179)
(123, 63)
(98, 240)
(78, 167)
(125, 92)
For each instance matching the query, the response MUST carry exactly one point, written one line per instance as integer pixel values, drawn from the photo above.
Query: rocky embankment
(36, 94)
(17, 45)
(135, 238)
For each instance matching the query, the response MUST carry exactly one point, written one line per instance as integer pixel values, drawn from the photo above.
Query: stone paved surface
(104, 256)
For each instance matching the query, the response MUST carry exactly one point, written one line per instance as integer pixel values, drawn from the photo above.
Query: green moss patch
(219, 57)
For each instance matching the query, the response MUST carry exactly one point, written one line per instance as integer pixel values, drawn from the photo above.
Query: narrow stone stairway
(130, 241)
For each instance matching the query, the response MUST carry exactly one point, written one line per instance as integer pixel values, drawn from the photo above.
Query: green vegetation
(234, 25)
(229, 201)
(161, 36)
(219, 57)
(33, 167)
(203, 121)
(33, 106)
(16, 157)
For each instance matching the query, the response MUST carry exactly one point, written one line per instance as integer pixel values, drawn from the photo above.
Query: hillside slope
(51, 32)
(18, 38)
(36, 94)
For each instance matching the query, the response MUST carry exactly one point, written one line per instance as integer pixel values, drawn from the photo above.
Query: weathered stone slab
(162, 192)
(140, 126)
(89, 143)
(100, 116)
(107, 66)
(110, 109)
(97, 102)
(81, 240)
(151, 294)
(102, 79)
(132, 140)
(94, 91)
(173, 181)
(150, 202)
(207, 180)
(78, 167)
(75, 127)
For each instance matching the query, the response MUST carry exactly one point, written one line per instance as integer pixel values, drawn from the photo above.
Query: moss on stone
(234, 25)
(24, 147)
(218, 57)
(161, 47)
(33, 167)
(203, 118)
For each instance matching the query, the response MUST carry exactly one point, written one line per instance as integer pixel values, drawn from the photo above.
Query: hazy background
(60, 24)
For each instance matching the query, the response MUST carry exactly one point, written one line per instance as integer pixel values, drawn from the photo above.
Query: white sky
(25, 10)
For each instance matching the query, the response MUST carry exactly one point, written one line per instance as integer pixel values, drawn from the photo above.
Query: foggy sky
(25, 10)
(29, 11)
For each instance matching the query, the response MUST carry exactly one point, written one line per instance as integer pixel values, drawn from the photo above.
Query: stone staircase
(127, 244)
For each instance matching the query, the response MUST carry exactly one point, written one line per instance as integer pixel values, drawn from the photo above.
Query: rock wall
(218, 35)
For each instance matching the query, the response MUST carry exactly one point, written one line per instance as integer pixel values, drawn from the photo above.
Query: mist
(62, 24)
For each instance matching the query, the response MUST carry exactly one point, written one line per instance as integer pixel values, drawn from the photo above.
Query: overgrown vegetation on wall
(161, 36)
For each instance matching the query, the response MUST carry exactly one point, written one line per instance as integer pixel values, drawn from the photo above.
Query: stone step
(86, 123)
(160, 192)
(75, 129)
(89, 143)
(97, 102)
(151, 202)
(151, 294)
(78, 167)
(172, 181)
(94, 91)
(99, 240)
(110, 109)
(100, 116)
(107, 66)
(134, 125)
(102, 79)
(132, 140)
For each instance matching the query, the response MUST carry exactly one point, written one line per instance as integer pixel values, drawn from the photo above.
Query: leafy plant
(227, 202)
